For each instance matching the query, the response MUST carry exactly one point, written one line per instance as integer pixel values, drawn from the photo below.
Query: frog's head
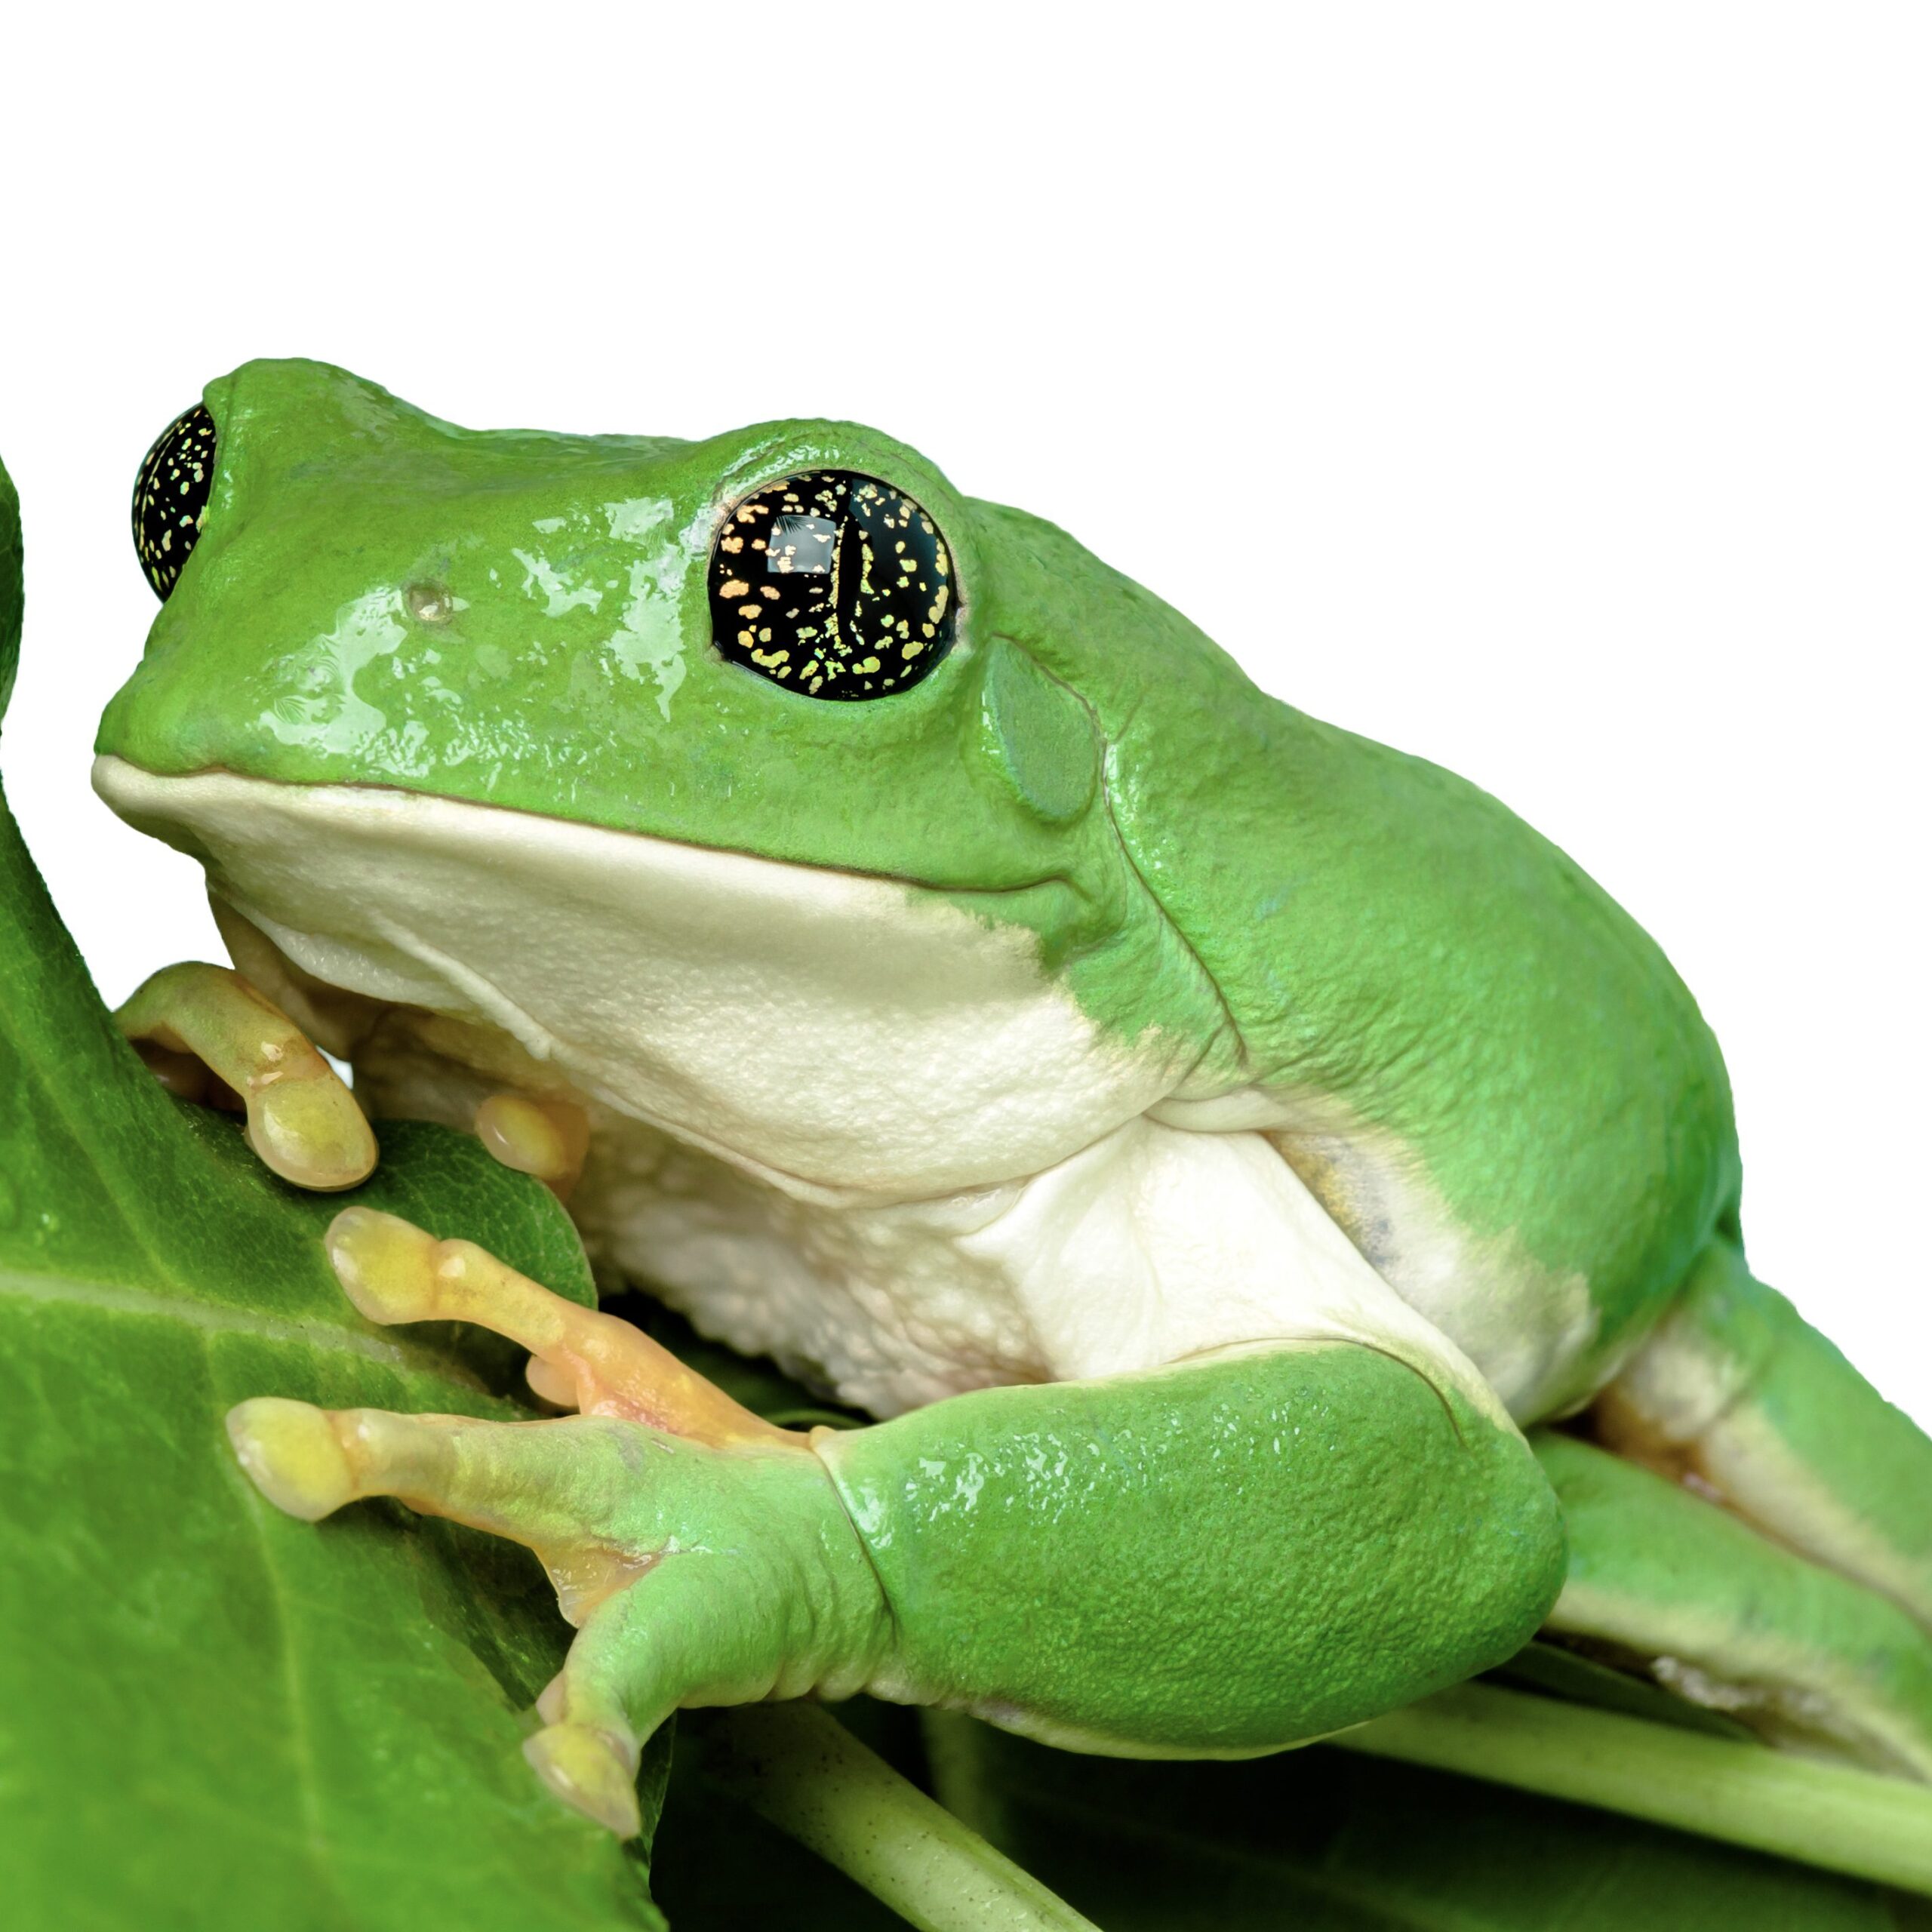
(759, 783)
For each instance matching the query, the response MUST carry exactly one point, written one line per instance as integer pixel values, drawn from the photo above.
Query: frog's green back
(1397, 949)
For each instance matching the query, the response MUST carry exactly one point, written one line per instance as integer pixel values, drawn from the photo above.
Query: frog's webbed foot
(199, 1023)
(703, 1552)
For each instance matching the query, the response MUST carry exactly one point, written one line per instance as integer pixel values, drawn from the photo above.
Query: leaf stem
(800, 1769)
(1845, 1820)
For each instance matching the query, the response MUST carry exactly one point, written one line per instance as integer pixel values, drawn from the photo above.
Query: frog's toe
(293, 1456)
(307, 1128)
(393, 1271)
(390, 1269)
(562, 1488)
(591, 1771)
(302, 1119)
(547, 1138)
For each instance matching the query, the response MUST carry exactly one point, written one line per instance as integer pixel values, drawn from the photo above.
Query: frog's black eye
(833, 584)
(172, 496)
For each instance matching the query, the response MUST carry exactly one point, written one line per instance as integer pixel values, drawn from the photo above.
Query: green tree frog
(1212, 1146)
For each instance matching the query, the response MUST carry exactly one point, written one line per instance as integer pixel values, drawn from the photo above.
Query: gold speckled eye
(172, 496)
(833, 584)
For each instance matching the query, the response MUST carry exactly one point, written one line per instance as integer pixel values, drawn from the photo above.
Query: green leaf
(1324, 1841)
(211, 1716)
(9, 584)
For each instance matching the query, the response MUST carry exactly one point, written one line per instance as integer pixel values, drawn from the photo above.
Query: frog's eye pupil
(833, 585)
(172, 496)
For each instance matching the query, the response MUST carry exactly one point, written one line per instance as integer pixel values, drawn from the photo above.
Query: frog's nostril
(172, 496)
(429, 603)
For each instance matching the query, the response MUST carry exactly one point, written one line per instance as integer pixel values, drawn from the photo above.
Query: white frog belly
(880, 1307)
(1154, 1244)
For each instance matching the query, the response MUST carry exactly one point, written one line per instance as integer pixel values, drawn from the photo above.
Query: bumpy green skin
(1047, 1551)
(1298, 905)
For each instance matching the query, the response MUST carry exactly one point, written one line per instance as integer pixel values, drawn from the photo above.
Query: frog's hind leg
(1735, 1394)
(1733, 1621)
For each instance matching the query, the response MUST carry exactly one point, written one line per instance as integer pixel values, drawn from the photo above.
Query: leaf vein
(211, 1319)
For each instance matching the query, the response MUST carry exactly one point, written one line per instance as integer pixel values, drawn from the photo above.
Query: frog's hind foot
(1735, 1394)
(302, 1119)
(581, 1358)
(1773, 1548)
(1728, 1619)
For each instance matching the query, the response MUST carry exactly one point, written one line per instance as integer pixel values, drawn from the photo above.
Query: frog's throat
(850, 1035)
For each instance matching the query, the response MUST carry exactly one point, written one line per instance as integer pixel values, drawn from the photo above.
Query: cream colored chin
(847, 1033)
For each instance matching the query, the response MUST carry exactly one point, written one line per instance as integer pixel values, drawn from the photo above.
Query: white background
(1543, 390)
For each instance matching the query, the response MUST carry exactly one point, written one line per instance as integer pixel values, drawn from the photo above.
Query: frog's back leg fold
(1736, 1392)
(1734, 1620)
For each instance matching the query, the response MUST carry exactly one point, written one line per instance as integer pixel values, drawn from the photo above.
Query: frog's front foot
(703, 1554)
(198, 1022)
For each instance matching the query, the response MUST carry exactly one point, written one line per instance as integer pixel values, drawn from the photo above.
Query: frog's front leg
(1217, 1559)
(701, 1550)
(302, 1119)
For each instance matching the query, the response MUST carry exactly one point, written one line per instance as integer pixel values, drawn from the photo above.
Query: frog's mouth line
(832, 1032)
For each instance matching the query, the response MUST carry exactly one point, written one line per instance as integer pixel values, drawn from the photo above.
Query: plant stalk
(1844, 1820)
(800, 1769)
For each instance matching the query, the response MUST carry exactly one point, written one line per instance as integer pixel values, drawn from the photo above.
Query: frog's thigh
(303, 1121)
(1219, 1557)
(1734, 1620)
(1735, 1390)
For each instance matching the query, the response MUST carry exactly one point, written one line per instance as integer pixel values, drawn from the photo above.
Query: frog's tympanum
(1205, 1140)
